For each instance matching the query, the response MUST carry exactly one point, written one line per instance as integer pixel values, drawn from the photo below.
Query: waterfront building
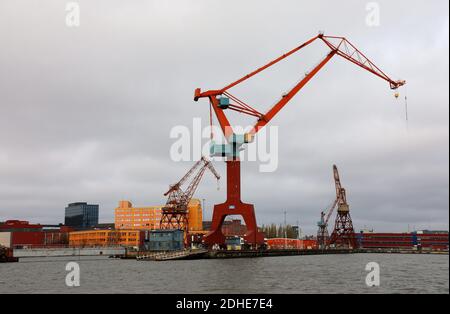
(96, 238)
(164, 240)
(419, 240)
(22, 234)
(127, 216)
(230, 228)
(81, 215)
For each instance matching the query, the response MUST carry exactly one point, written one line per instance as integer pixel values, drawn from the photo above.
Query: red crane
(221, 99)
(340, 201)
(175, 212)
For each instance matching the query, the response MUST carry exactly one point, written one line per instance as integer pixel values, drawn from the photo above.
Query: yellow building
(90, 238)
(148, 218)
(195, 215)
(137, 218)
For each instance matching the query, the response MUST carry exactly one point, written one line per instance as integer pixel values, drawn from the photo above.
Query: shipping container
(27, 239)
(283, 243)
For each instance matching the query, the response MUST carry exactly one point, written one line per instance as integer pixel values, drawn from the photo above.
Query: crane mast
(221, 100)
(343, 234)
(340, 201)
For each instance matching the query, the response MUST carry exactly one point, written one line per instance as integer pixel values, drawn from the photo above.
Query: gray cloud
(85, 113)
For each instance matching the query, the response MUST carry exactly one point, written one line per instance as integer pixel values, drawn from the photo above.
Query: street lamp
(203, 209)
(285, 231)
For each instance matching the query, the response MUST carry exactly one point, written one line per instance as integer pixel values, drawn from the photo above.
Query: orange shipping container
(283, 243)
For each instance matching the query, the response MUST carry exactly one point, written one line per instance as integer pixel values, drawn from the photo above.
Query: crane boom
(341, 197)
(195, 182)
(179, 198)
(338, 46)
(348, 51)
(340, 191)
(177, 185)
(329, 212)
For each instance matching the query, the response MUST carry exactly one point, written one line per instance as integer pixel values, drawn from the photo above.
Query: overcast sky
(86, 112)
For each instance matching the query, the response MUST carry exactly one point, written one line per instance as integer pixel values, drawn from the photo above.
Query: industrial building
(81, 215)
(164, 240)
(233, 228)
(230, 228)
(421, 240)
(96, 238)
(148, 218)
(22, 234)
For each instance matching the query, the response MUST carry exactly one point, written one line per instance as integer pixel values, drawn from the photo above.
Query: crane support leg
(234, 206)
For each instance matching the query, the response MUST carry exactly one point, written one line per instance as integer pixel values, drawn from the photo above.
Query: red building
(429, 240)
(233, 228)
(230, 228)
(18, 234)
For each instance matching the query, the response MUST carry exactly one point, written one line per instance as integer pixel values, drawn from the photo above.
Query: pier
(61, 252)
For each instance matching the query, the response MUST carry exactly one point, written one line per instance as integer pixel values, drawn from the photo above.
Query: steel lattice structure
(343, 234)
(175, 212)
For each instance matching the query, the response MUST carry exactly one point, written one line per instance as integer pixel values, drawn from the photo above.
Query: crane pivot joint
(197, 94)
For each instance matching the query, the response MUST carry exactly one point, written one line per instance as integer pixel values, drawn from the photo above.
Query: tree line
(280, 231)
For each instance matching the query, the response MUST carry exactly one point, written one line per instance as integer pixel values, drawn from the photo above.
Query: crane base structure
(174, 219)
(343, 234)
(234, 206)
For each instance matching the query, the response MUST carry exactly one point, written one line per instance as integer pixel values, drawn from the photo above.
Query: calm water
(293, 274)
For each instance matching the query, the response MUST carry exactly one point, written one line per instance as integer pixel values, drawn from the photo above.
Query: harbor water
(399, 273)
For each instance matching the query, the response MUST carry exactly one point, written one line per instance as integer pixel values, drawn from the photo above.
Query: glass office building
(81, 215)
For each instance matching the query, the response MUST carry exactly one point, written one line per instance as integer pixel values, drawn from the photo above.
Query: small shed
(164, 240)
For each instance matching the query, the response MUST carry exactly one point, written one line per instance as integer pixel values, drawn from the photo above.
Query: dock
(221, 254)
(173, 255)
(62, 252)
(270, 253)
(224, 254)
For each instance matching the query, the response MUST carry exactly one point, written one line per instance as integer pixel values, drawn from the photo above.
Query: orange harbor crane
(221, 99)
(343, 233)
(175, 212)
